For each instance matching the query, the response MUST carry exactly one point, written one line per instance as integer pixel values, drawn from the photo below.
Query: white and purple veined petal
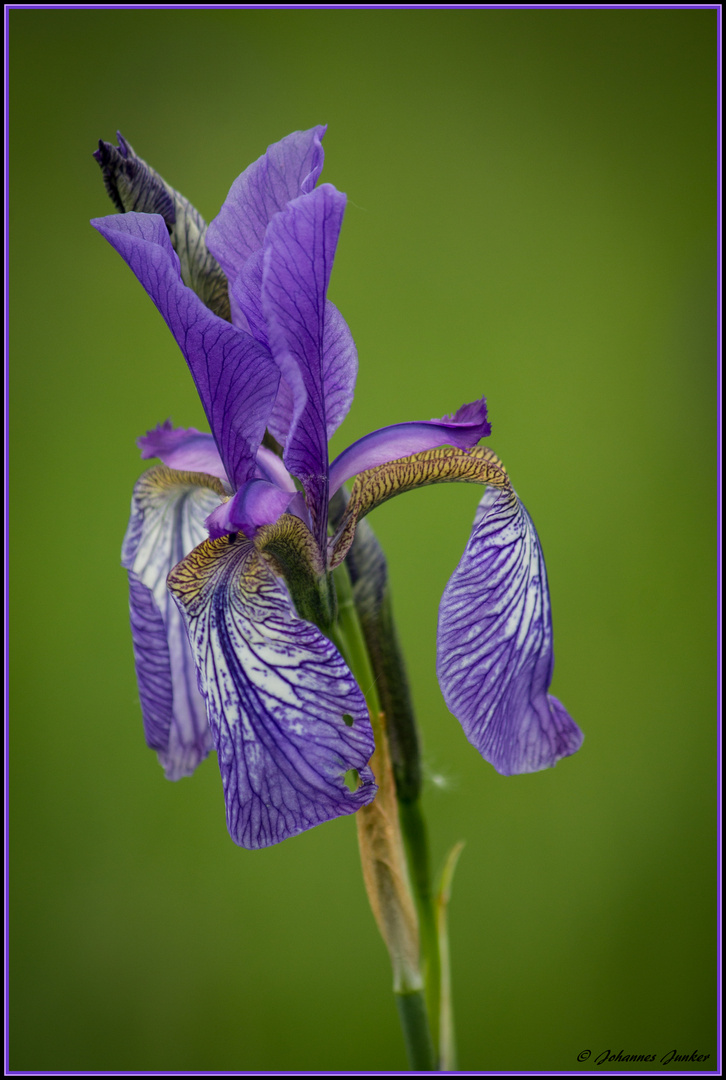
(168, 510)
(300, 247)
(288, 718)
(494, 651)
(234, 375)
(287, 169)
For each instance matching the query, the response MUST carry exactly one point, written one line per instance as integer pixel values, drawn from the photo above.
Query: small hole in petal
(352, 779)
(348, 719)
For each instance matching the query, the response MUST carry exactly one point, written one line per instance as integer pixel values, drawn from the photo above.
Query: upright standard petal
(494, 653)
(340, 371)
(287, 169)
(167, 521)
(234, 375)
(134, 185)
(340, 356)
(299, 251)
(288, 718)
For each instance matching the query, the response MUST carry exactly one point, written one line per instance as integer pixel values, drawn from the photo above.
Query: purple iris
(229, 548)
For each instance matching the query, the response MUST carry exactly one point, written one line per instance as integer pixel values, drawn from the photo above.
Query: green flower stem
(375, 611)
(351, 642)
(373, 607)
(413, 827)
(382, 851)
(415, 1024)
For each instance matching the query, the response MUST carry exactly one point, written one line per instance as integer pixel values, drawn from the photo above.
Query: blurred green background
(531, 216)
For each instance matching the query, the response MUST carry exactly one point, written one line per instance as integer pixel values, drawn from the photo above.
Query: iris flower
(229, 548)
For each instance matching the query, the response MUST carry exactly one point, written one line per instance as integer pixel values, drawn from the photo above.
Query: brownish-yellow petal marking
(291, 544)
(445, 464)
(292, 551)
(162, 478)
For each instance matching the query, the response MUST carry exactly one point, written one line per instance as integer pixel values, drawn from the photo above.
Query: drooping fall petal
(288, 718)
(442, 465)
(167, 521)
(494, 653)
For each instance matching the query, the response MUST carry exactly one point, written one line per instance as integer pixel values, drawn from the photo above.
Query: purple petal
(256, 503)
(299, 250)
(182, 448)
(465, 428)
(340, 356)
(340, 370)
(134, 185)
(270, 467)
(288, 718)
(495, 656)
(282, 413)
(167, 521)
(247, 295)
(289, 168)
(234, 376)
